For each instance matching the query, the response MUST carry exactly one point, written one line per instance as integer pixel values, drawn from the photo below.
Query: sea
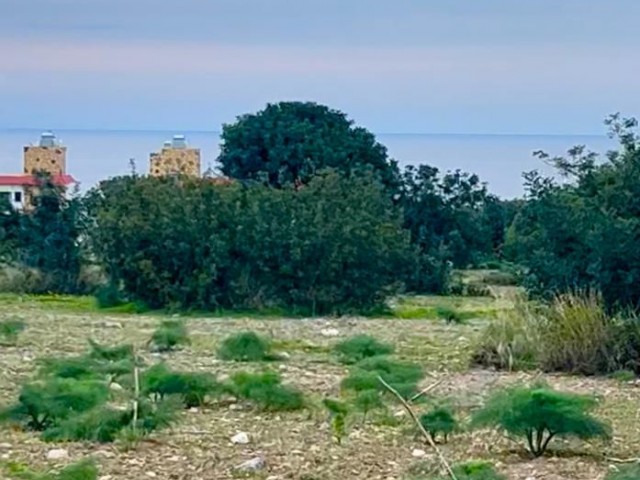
(499, 160)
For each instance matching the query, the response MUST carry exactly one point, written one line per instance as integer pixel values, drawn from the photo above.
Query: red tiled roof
(24, 180)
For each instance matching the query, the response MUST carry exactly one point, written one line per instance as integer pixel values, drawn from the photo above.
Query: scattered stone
(194, 410)
(116, 387)
(330, 332)
(5, 446)
(240, 438)
(151, 474)
(253, 465)
(105, 477)
(418, 453)
(57, 454)
(284, 356)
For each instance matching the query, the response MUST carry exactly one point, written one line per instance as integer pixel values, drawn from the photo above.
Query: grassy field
(299, 445)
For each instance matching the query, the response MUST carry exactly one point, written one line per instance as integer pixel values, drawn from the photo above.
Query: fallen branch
(420, 427)
(623, 460)
(136, 382)
(425, 390)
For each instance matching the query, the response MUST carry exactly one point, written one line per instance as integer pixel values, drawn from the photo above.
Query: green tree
(540, 414)
(49, 238)
(288, 143)
(453, 220)
(336, 245)
(584, 232)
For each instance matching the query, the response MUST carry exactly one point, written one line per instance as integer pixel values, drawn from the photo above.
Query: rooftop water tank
(47, 139)
(179, 141)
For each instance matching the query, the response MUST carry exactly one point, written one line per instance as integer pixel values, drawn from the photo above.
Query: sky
(394, 66)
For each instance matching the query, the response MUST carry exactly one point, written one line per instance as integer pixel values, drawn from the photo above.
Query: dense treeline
(319, 219)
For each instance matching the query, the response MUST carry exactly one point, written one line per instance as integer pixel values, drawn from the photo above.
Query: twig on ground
(623, 460)
(420, 427)
(424, 391)
(136, 381)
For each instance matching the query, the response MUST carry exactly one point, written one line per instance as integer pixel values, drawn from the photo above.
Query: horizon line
(218, 132)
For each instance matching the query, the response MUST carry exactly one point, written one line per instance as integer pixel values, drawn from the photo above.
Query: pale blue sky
(463, 66)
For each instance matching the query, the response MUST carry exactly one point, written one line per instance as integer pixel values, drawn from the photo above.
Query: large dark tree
(334, 246)
(289, 142)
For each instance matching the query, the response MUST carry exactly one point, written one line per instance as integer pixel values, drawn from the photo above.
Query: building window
(17, 197)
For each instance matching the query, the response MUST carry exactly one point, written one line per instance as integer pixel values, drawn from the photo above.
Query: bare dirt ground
(298, 445)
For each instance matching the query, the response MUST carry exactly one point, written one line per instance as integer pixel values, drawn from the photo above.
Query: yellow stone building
(175, 158)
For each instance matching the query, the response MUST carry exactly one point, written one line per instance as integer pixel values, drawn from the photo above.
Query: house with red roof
(49, 157)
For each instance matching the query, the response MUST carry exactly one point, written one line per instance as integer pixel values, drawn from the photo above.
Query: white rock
(151, 474)
(418, 453)
(240, 438)
(253, 465)
(105, 477)
(5, 446)
(116, 387)
(330, 332)
(110, 324)
(57, 454)
(284, 355)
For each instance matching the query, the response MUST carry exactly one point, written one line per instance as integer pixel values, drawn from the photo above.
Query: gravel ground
(298, 445)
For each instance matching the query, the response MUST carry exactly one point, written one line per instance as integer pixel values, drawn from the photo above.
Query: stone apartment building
(48, 156)
(175, 158)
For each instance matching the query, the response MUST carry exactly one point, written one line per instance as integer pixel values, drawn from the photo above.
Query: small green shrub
(476, 470)
(169, 335)
(106, 424)
(338, 412)
(266, 391)
(245, 347)
(625, 472)
(359, 347)
(42, 405)
(84, 470)
(100, 424)
(449, 315)
(84, 367)
(539, 414)
(109, 296)
(439, 421)
(193, 388)
(110, 354)
(10, 329)
(366, 401)
(403, 376)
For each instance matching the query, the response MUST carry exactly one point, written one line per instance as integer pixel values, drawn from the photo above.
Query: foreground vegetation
(324, 395)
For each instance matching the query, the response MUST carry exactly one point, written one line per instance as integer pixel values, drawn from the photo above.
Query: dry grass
(298, 445)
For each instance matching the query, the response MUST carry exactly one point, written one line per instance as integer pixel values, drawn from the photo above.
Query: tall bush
(335, 245)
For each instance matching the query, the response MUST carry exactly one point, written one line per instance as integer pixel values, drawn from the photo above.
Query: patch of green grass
(624, 472)
(10, 329)
(84, 470)
(623, 375)
(193, 388)
(403, 376)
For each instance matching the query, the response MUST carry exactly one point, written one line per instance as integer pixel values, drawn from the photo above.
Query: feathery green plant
(245, 347)
(266, 391)
(193, 388)
(338, 412)
(169, 335)
(359, 347)
(540, 414)
(439, 421)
